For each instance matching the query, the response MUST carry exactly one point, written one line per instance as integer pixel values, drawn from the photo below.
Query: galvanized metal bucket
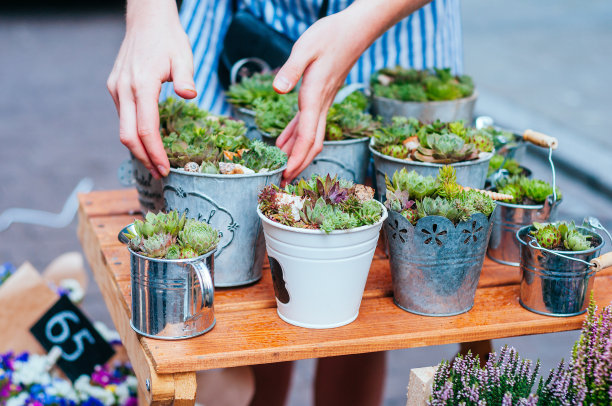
(348, 159)
(469, 173)
(556, 283)
(171, 299)
(226, 202)
(435, 265)
(133, 173)
(508, 218)
(428, 112)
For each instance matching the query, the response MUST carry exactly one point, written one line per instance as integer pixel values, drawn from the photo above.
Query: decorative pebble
(191, 167)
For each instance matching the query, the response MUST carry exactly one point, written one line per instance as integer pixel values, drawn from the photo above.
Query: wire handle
(598, 264)
(239, 64)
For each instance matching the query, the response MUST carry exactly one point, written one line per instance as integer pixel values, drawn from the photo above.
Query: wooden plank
(110, 202)
(260, 336)
(162, 386)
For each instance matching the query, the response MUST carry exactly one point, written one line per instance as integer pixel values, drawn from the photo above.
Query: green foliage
(204, 139)
(170, 236)
(524, 190)
(323, 203)
(511, 165)
(437, 142)
(441, 196)
(273, 115)
(256, 87)
(561, 235)
(420, 86)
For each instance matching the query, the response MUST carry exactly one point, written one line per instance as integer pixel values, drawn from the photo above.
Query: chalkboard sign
(66, 327)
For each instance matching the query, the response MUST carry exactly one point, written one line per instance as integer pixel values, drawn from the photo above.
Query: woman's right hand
(155, 49)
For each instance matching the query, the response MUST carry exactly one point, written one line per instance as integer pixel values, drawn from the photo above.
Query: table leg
(182, 386)
(185, 386)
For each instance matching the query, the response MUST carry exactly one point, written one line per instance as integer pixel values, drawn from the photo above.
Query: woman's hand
(323, 57)
(155, 50)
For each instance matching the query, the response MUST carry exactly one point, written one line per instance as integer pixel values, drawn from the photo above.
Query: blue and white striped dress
(430, 37)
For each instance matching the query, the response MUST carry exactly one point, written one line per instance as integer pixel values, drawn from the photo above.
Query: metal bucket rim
(523, 230)
(467, 99)
(484, 156)
(383, 217)
(443, 218)
(225, 177)
(348, 141)
(245, 111)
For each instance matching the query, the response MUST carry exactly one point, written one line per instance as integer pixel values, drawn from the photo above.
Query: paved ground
(537, 64)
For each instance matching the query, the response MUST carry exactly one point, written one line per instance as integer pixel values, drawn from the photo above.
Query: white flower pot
(319, 278)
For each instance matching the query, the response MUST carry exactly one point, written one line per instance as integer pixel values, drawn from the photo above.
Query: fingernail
(282, 84)
(188, 88)
(163, 170)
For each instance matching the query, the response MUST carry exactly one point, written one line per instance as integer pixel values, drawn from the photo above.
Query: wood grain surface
(248, 330)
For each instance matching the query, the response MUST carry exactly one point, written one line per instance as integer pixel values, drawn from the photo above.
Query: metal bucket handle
(545, 141)
(598, 264)
(206, 283)
(348, 89)
(265, 68)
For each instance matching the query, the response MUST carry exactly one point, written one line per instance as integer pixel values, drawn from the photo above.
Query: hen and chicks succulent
(413, 85)
(323, 203)
(170, 236)
(438, 142)
(561, 236)
(197, 141)
(415, 196)
(524, 190)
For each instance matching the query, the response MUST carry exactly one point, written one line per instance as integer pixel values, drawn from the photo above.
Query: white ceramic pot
(319, 277)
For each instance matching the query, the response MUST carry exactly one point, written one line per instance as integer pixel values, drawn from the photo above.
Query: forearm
(147, 11)
(374, 17)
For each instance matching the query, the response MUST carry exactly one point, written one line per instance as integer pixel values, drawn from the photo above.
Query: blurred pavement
(543, 65)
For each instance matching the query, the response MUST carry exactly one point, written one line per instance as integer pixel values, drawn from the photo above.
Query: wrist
(150, 12)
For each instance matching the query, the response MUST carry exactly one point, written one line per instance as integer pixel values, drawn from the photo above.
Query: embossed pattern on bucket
(428, 112)
(172, 299)
(347, 159)
(508, 218)
(226, 202)
(435, 265)
(469, 173)
(552, 285)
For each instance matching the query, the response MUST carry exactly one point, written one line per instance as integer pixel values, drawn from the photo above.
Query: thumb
(289, 75)
(182, 77)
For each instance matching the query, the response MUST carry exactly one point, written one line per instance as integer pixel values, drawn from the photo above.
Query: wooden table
(248, 330)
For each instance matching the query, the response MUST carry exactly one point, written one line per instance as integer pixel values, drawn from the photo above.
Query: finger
(317, 146)
(182, 77)
(307, 129)
(128, 134)
(288, 132)
(290, 73)
(111, 85)
(147, 120)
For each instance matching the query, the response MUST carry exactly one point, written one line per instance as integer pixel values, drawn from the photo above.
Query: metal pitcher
(558, 283)
(228, 203)
(132, 172)
(347, 159)
(171, 299)
(435, 265)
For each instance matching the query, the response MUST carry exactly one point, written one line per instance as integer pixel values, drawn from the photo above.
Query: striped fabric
(430, 37)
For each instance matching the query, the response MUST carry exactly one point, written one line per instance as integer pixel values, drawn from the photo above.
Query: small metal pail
(226, 202)
(435, 265)
(348, 159)
(469, 173)
(556, 284)
(171, 299)
(428, 112)
(248, 116)
(133, 173)
(508, 218)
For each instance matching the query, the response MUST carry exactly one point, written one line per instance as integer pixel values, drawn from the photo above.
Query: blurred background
(542, 65)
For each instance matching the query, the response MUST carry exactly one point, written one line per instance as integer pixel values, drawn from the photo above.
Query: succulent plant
(260, 156)
(250, 89)
(525, 190)
(510, 165)
(324, 203)
(177, 115)
(573, 239)
(400, 129)
(273, 115)
(537, 190)
(420, 86)
(166, 235)
(547, 235)
(395, 151)
(444, 148)
(434, 197)
(347, 119)
(198, 236)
